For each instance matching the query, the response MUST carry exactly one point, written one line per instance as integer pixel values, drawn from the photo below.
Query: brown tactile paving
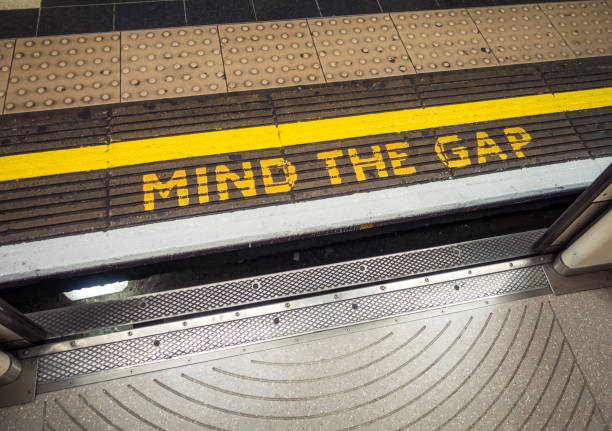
(359, 47)
(6, 57)
(520, 34)
(269, 55)
(64, 72)
(177, 62)
(586, 26)
(443, 40)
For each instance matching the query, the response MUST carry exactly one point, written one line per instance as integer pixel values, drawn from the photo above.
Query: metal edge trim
(283, 306)
(263, 277)
(289, 340)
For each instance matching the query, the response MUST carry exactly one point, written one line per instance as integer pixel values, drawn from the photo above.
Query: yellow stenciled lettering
(518, 138)
(488, 147)
(246, 184)
(286, 184)
(151, 184)
(330, 163)
(398, 158)
(460, 151)
(376, 161)
(202, 185)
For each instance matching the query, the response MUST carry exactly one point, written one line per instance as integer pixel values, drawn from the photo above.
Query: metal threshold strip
(80, 319)
(121, 354)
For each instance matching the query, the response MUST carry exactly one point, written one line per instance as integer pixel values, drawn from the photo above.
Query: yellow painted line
(127, 153)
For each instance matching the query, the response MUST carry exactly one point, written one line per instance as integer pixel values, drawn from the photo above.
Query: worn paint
(135, 152)
(279, 175)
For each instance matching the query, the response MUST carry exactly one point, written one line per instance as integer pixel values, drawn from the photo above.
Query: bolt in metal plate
(158, 64)
(443, 40)
(269, 55)
(6, 56)
(520, 34)
(359, 47)
(64, 72)
(586, 26)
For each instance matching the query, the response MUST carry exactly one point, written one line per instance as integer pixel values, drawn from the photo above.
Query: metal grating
(268, 55)
(132, 352)
(359, 47)
(586, 26)
(520, 34)
(78, 319)
(443, 40)
(64, 72)
(171, 63)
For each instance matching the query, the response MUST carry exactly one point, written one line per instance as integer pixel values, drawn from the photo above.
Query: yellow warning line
(126, 153)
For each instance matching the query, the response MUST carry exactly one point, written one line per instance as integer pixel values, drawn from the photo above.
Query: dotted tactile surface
(268, 55)
(443, 40)
(586, 26)
(171, 63)
(6, 56)
(64, 72)
(520, 34)
(359, 47)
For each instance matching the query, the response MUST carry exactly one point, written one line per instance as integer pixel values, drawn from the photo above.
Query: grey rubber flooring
(538, 363)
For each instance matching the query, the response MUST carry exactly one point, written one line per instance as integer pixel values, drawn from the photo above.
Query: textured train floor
(537, 363)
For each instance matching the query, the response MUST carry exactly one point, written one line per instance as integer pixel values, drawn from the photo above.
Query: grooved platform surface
(95, 198)
(171, 63)
(508, 365)
(64, 72)
(443, 40)
(359, 47)
(178, 62)
(520, 34)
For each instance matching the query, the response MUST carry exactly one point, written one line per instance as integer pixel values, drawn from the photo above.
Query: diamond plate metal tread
(268, 55)
(508, 366)
(171, 63)
(64, 72)
(586, 26)
(443, 40)
(66, 365)
(359, 47)
(520, 34)
(86, 317)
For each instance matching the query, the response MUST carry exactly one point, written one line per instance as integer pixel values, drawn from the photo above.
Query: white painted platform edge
(67, 254)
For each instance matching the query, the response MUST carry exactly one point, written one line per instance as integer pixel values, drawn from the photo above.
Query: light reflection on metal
(93, 291)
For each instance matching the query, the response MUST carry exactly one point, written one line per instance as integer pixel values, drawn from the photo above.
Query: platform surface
(126, 146)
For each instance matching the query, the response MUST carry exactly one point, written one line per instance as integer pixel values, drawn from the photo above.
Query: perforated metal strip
(79, 319)
(140, 351)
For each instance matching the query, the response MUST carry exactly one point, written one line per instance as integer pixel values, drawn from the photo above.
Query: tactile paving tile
(158, 64)
(359, 47)
(269, 55)
(443, 40)
(6, 56)
(64, 72)
(586, 26)
(520, 34)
